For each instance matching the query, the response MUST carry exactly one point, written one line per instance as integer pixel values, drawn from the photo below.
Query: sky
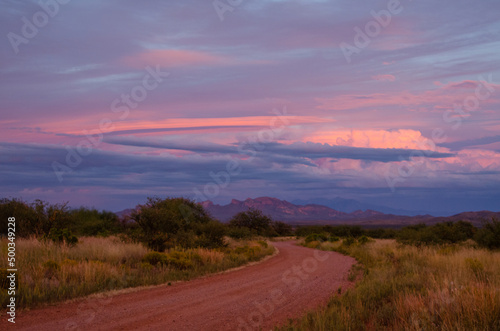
(396, 103)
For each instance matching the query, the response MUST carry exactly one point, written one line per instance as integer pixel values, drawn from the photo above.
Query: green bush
(60, 236)
(239, 232)
(179, 260)
(210, 235)
(37, 218)
(321, 237)
(381, 233)
(364, 240)
(348, 241)
(168, 222)
(263, 243)
(254, 220)
(155, 258)
(91, 222)
(175, 259)
(441, 233)
(281, 228)
(489, 235)
(342, 231)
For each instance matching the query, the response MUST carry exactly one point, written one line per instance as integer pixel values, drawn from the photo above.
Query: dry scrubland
(52, 272)
(403, 287)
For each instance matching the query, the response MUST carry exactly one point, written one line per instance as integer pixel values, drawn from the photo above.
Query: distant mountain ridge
(351, 205)
(315, 214)
(283, 210)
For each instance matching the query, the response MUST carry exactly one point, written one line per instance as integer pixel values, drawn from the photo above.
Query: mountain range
(296, 214)
(316, 214)
(351, 205)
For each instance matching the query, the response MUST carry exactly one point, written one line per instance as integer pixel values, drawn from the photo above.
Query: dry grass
(409, 288)
(50, 273)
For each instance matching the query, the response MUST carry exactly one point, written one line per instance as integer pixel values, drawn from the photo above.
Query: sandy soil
(259, 296)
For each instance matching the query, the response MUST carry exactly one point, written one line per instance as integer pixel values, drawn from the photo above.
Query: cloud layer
(125, 99)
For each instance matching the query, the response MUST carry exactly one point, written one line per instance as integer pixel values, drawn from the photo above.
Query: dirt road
(292, 282)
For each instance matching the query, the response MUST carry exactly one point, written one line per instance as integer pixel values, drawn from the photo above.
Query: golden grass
(408, 288)
(50, 273)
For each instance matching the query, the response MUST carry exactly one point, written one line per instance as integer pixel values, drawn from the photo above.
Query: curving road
(259, 296)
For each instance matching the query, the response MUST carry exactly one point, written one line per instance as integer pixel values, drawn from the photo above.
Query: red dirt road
(259, 296)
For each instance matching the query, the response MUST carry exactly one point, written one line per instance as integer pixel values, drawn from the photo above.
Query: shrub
(179, 260)
(146, 266)
(60, 236)
(441, 233)
(348, 241)
(239, 232)
(254, 220)
(155, 258)
(281, 228)
(210, 235)
(91, 222)
(363, 240)
(165, 222)
(263, 243)
(335, 231)
(381, 233)
(321, 237)
(489, 235)
(37, 218)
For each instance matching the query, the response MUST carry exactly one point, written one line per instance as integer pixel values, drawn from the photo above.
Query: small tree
(38, 218)
(23, 213)
(254, 220)
(91, 222)
(161, 220)
(489, 235)
(282, 229)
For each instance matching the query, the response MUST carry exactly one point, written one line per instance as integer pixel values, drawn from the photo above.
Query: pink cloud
(175, 58)
(402, 139)
(384, 78)
(466, 84)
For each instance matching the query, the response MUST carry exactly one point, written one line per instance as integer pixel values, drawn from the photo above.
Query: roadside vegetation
(421, 277)
(440, 277)
(52, 272)
(64, 254)
(487, 236)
